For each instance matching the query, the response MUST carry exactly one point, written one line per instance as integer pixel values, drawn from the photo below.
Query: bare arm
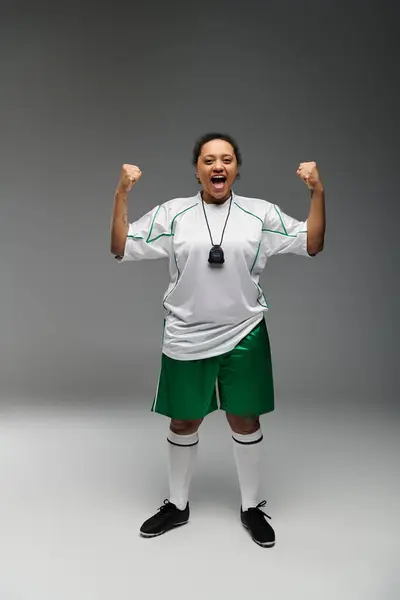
(130, 174)
(119, 222)
(316, 221)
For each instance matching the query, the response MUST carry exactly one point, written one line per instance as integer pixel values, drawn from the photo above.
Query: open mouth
(218, 181)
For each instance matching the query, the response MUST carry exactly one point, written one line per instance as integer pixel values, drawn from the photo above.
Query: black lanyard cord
(226, 221)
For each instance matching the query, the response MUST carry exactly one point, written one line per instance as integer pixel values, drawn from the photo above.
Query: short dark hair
(207, 137)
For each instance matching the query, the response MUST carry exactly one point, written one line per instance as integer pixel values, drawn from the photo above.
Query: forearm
(316, 221)
(119, 222)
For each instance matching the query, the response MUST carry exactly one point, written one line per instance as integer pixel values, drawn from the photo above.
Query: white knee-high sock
(182, 453)
(247, 450)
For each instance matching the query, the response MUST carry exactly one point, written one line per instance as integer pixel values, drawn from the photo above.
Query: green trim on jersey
(281, 219)
(248, 212)
(255, 260)
(175, 258)
(261, 293)
(148, 240)
(284, 232)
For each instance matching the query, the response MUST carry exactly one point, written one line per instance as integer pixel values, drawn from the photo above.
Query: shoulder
(179, 205)
(182, 203)
(256, 207)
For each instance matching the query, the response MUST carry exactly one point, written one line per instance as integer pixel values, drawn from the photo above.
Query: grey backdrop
(82, 459)
(85, 89)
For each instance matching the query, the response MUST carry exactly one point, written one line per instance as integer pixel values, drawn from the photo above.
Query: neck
(208, 199)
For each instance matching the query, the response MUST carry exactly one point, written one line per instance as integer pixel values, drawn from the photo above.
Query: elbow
(117, 250)
(117, 247)
(315, 248)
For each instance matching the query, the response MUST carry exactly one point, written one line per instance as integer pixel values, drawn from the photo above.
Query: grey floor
(77, 483)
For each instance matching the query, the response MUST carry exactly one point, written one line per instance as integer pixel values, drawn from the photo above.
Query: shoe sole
(152, 535)
(262, 544)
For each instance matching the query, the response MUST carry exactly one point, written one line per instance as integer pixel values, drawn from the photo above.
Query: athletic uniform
(215, 349)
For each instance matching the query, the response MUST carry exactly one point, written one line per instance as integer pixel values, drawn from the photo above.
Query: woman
(216, 352)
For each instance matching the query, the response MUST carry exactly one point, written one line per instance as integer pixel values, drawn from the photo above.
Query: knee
(243, 425)
(185, 427)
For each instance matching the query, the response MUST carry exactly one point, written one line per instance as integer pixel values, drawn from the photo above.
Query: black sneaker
(167, 517)
(255, 522)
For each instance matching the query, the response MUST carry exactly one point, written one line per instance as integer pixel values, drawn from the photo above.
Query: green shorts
(239, 382)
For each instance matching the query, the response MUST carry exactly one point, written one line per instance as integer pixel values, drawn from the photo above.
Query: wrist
(317, 187)
(121, 192)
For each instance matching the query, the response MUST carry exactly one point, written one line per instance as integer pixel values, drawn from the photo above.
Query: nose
(218, 167)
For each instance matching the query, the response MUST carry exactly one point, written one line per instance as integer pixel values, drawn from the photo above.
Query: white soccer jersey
(209, 310)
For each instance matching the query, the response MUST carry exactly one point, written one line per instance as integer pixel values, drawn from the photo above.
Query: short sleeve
(283, 234)
(149, 237)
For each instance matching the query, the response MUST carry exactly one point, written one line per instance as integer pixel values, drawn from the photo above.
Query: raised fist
(308, 172)
(130, 174)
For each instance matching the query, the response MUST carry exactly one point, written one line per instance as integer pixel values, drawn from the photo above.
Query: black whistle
(216, 256)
